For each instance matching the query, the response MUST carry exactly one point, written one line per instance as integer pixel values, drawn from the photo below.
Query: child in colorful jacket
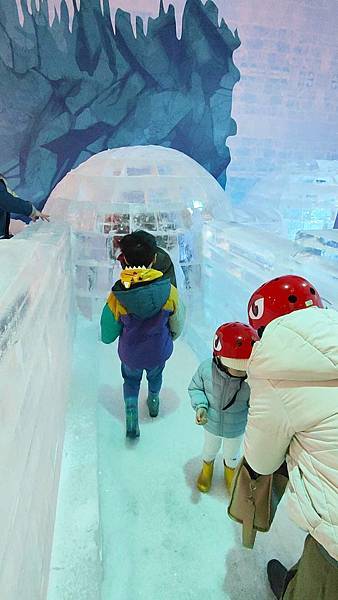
(145, 313)
(220, 396)
(163, 261)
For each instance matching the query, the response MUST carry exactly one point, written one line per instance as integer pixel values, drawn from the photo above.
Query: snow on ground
(162, 538)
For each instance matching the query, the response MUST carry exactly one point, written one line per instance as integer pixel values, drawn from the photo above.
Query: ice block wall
(237, 260)
(302, 196)
(285, 105)
(35, 359)
(320, 243)
(118, 191)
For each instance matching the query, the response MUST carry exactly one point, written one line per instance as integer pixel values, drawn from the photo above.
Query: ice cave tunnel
(63, 388)
(118, 191)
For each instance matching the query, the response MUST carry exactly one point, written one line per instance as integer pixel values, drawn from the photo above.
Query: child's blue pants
(132, 381)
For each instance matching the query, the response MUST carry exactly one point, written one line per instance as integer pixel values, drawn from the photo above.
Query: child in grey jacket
(220, 396)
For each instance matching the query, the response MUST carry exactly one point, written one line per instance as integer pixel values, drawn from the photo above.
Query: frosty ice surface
(118, 191)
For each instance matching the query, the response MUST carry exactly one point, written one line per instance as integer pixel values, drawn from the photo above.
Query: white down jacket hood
(293, 376)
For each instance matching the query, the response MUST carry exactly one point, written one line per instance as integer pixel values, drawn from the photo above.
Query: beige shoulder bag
(254, 500)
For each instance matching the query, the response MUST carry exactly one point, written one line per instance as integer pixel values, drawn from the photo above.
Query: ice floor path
(162, 539)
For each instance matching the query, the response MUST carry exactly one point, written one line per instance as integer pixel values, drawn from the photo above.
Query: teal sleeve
(197, 392)
(110, 327)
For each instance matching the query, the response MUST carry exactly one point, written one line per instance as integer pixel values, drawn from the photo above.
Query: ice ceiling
(143, 8)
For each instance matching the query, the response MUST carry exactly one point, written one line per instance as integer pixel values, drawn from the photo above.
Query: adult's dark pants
(314, 577)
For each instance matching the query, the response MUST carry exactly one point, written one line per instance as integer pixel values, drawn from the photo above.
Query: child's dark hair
(139, 248)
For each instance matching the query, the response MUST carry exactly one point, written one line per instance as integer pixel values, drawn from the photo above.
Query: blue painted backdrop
(68, 95)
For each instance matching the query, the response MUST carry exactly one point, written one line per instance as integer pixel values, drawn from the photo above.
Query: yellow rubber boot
(205, 477)
(228, 476)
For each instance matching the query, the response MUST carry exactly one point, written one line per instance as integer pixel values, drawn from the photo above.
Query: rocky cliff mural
(68, 92)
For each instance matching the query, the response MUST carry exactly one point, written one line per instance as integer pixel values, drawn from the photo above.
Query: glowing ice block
(237, 260)
(36, 330)
(320, 243)
(299, 197)
(115, 192)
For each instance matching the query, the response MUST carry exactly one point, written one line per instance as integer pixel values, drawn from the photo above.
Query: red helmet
(234, 341)
(279, 297)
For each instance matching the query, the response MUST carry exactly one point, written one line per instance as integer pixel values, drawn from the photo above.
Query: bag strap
(248, 531)
(233, 400)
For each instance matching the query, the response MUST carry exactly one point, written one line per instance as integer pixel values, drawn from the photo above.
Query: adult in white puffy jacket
(293, 415)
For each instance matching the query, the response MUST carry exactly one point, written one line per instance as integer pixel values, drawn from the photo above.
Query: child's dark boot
(132, 427)
(153, 403)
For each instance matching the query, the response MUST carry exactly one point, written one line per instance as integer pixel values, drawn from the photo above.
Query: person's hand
(36, 214)
(201, 416)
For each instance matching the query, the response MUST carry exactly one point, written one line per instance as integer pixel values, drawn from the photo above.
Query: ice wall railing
(298, 197)
(320, 243)
(36, 333)
(238, 259)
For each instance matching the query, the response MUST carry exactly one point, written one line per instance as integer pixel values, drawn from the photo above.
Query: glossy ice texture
(319, 243)
(118, 191)
(131, 523)
(35, 359)
(302, 196)
(239, 258)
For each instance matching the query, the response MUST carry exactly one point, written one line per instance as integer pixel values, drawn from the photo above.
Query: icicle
(144, 22)
(146, 25)
(20, 12)
(133, 18)
(57, 4)
(51, 12)
(156, 8)
(178, 10)
(112, 10)
(166, 5)
(71, 12)
(220, 18)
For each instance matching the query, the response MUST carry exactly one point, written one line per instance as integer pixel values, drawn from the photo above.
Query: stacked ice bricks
(304, 197)
(319, 243)
(237, 259)
(119, 191)
(97, 267)
(36, 326)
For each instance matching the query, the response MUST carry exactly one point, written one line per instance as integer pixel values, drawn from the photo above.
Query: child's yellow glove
(201, 416)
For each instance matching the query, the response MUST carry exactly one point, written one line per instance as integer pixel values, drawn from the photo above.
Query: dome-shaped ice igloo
(118, 191)
(299, 197)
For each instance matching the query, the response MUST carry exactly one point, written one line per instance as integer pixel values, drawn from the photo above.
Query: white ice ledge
(35, 359)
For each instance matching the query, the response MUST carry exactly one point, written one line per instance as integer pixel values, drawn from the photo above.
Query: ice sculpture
(118, 191)
(321, 243)
(237, 259)
(35, 358)
(296, 198)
